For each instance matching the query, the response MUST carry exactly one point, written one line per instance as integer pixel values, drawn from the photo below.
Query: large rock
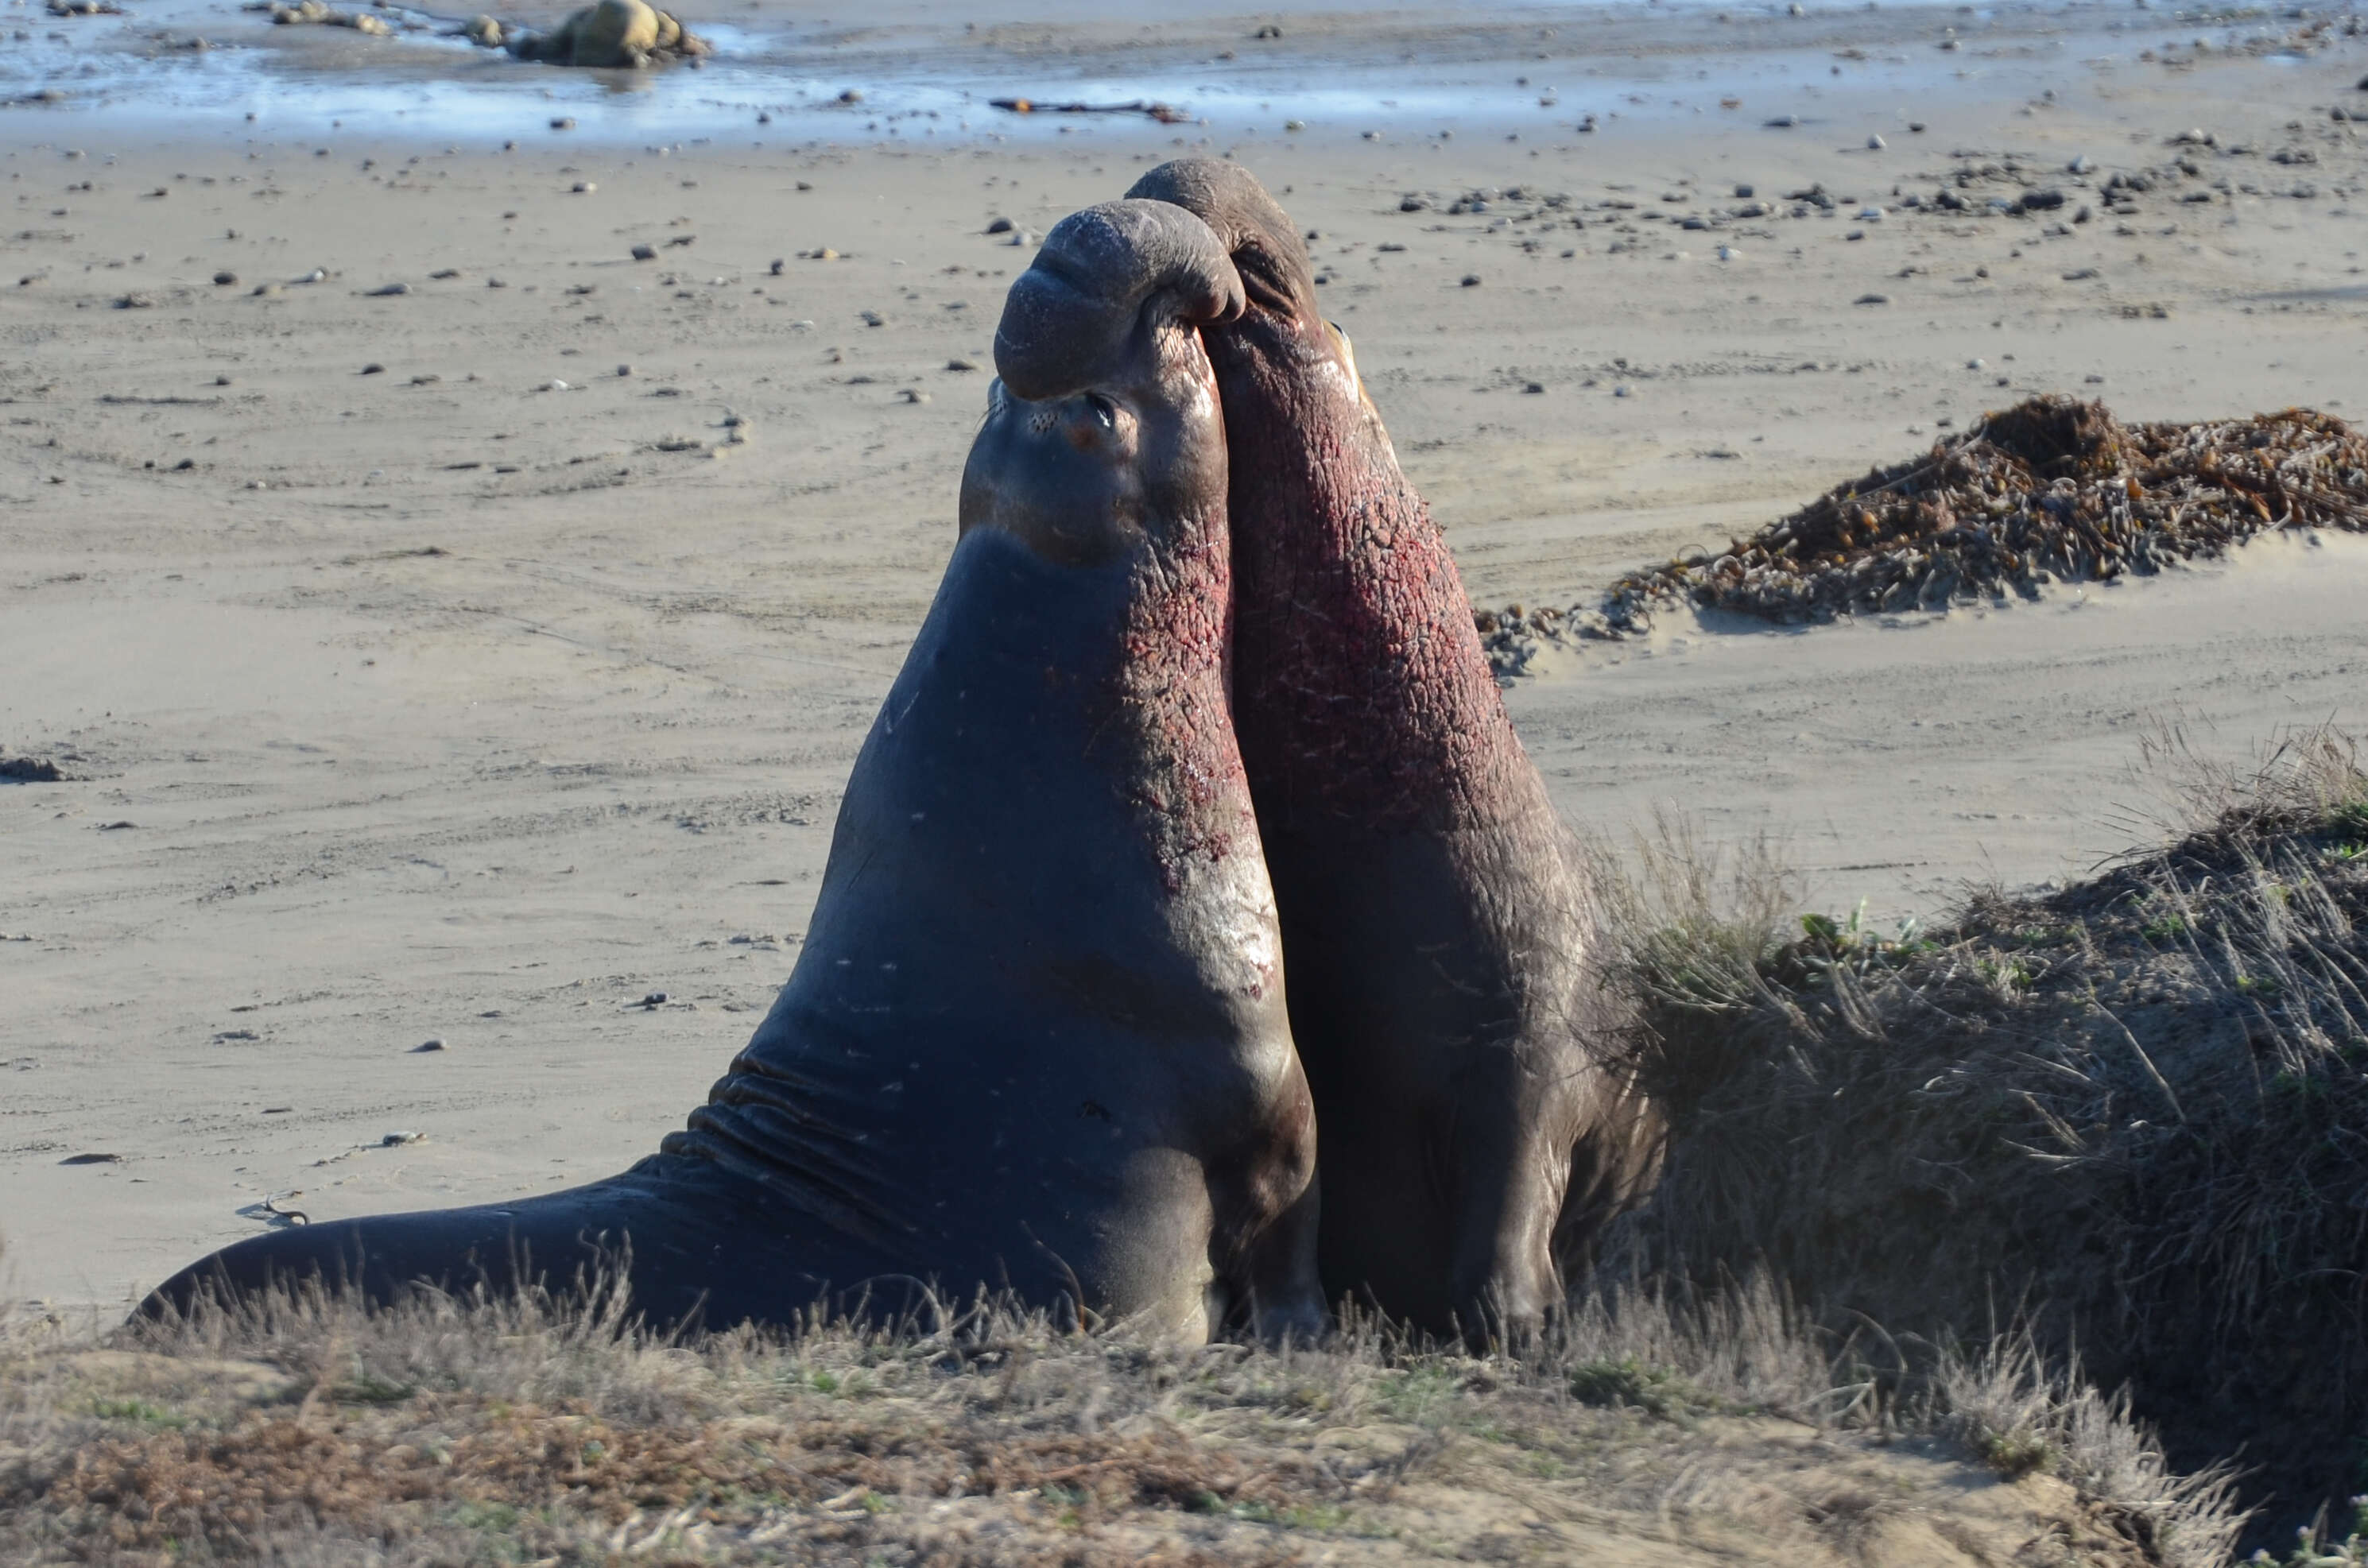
(611, 34)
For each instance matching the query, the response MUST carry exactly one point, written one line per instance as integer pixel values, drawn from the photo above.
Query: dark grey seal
(1037, 1039)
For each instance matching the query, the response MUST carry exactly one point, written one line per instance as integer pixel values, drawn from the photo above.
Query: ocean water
(921, 73)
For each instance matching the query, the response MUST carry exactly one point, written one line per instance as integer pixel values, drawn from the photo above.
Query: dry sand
(430, 704)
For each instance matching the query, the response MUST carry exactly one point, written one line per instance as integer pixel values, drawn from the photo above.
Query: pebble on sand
(225, 280)
(564, 122)
(434, 1042)
(1471, 280)
(389, 290)
(645, 253)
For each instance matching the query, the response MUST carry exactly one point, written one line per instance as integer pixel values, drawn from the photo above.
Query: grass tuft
(2128, 1118)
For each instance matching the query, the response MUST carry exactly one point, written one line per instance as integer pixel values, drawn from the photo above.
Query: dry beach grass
(2125, 1116)
(304, 1431)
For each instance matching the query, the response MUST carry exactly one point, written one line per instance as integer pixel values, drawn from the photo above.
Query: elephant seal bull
(1038, 1037)
(1444, 988)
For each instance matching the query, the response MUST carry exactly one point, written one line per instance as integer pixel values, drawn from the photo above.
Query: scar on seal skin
(1435, 911)
(1038, 1037)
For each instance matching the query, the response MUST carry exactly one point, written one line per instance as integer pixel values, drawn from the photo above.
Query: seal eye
(1104, 411)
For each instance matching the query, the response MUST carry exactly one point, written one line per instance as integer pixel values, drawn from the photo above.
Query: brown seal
(1436, 912)
(1037, 1038)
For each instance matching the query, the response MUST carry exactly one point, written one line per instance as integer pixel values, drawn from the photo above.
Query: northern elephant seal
(1038, 1036)
(1444, 988)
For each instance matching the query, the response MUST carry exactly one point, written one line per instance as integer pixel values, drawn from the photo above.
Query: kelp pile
(2053, 488)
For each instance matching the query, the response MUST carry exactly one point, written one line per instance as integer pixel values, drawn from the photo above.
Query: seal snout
(1076, 318)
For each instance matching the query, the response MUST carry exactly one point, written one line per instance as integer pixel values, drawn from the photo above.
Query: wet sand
(438, 701)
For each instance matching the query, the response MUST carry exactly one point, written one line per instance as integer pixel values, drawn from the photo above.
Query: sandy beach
(454, 628)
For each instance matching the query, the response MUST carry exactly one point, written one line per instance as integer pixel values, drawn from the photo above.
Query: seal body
(1037, 1039)
(1444, 993)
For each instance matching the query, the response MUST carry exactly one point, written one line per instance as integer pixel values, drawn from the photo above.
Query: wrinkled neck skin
(1130, 478)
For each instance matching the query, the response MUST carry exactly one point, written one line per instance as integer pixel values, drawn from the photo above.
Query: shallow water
(1537, 70)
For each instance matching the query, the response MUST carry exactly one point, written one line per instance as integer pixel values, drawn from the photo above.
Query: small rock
(1471, 280)
(778, 265)
(1916, 127)
(1871, 300)
(91, 1160)
(583, 187)
(1000, 226)
(962, 366)
(1876, 143)
(135, 303)
(2079, 165)
(623, 370)
(1783, 122)
(373, 369)
(433, 1044)
(645, 253)
(654, 999)
(564, 122)
(396, 1140)
(224, 279)
(1745, 192)
(388, 290)
(1728, 253)
(1533, 388)
(913, 394)
(555, 384)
